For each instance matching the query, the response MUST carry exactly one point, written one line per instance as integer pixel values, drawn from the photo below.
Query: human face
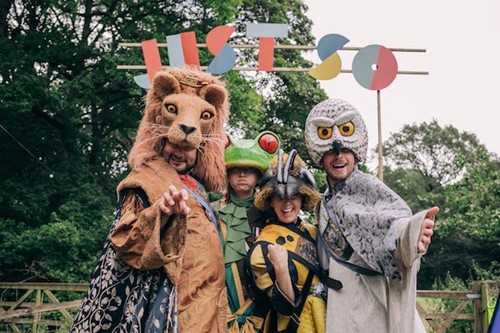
(339, 166)
(243, 181)
(286, 210)
(182, 156)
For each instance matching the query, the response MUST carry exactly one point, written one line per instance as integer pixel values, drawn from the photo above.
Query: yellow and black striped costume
(309, 308)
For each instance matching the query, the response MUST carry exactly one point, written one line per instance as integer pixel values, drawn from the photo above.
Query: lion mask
(185, 105)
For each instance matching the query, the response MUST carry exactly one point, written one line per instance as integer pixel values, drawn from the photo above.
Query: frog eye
(325, 133)
(206, 115)
(171, 108)
(269, 142)
(346, 129)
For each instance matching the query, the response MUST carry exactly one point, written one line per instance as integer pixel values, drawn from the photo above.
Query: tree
(414, 188)
(440, 153)
(289, 96)
(69, 116)
(467, 239)
(468, 225)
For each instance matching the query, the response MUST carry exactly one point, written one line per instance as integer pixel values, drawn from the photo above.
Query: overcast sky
(462, 39)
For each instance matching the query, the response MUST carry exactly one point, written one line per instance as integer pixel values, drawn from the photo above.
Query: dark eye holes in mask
(243, 170)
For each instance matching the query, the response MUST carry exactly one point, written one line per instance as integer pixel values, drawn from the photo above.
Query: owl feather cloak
(365, 208)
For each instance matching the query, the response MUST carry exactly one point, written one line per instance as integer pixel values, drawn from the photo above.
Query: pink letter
(266, 33)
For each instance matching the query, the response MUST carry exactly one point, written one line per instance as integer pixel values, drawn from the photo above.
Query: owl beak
(337, 147)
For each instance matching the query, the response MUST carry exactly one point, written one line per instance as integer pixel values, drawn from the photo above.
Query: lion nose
(187, 129)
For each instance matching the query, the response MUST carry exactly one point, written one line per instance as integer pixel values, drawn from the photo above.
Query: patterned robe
(366, 224)
(157, 275)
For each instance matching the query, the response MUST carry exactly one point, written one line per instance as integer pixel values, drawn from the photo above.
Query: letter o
(374, 67)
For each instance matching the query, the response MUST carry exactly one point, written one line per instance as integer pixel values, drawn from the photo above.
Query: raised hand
(174, 201)
(427, 230)
(278, 256)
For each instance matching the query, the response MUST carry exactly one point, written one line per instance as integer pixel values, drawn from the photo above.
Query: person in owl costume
(283, 261)
(368, 237)
(246, 160)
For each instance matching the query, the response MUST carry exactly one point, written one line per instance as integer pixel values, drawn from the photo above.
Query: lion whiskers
(157, 131)
(214, 138)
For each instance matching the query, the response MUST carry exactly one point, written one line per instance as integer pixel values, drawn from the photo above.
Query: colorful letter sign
(225, 57)
(327, 48)
(374, 67)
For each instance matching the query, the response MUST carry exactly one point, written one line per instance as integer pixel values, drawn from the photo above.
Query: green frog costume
(236, 234)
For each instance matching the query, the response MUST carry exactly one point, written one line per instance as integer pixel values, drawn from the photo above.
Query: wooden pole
(275, 69)
(282, 46)
(380, 173)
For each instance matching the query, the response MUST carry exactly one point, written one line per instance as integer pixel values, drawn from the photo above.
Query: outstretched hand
(427, 230)
(174, 201)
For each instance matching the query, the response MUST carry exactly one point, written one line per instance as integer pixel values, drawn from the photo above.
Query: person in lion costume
(162, 267)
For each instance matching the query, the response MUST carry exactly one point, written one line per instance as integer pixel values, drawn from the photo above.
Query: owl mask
(335, 124)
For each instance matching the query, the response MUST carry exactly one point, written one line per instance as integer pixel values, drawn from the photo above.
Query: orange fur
(172, 91)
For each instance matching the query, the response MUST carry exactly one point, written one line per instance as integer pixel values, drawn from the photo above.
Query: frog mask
(254, 153)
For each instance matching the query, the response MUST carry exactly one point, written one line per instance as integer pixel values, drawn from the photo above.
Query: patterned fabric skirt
(124, 299)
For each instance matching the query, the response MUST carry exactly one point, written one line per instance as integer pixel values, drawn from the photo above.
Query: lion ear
(165, 84)
(213, 94)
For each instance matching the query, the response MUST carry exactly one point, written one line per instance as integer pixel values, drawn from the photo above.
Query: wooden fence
(46, 307)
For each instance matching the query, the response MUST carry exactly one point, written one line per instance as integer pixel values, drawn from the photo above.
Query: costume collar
(241, 202)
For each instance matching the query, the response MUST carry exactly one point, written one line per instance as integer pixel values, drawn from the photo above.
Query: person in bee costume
(368, 237)
(246, 160)
(283, 261)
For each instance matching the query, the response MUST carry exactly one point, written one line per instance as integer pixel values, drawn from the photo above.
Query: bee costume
(287, 178)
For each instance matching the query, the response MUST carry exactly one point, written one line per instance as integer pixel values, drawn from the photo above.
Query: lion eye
(171, 108)
(346, 129)
(206, 115)
(325, 133)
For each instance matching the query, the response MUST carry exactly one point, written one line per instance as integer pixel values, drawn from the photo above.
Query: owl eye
(171, 108)
(206, 115)
(346, 129)
(325, 133)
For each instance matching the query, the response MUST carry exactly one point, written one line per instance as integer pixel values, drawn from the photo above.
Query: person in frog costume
(246, 160)
(284, 266)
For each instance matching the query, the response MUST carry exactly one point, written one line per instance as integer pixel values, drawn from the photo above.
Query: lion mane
(185, 105)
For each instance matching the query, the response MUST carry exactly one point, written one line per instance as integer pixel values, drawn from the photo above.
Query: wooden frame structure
(35, 305)
(380, 169)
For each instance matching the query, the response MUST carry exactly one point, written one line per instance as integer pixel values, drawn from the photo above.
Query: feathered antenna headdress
(287, 177)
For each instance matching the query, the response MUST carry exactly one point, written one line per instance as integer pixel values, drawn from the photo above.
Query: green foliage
(474, 200)
(64, 249)
(448, 305)
(246, 105)
(414, 187)
(434, 166)
(466, 239)
(440, 154)
(69, 116)
(320, 179)
(288, 96)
